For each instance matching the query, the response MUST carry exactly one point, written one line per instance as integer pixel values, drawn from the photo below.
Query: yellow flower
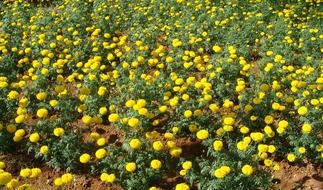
(11, 128)
(87, 119)
(20, 132)
(301, 150)
(133, 122)
(111, 178)
(214, 107)
(12, 184)
(101, 141)
(221, 172)
(2, 165)
(271, 148)
(242, 146)
(13, 95)
(176, 151)
(187, 165)
(5, 178)
(247, 170)
(43, 149)
(67, 178)
(162, 109)
(155, 164)
(101, 153)
(182, 186)
(217, 49)
(104, 176)
(188, 113)
(58, 132)
(25, 172)
(20, 118)
(202, 134)
(131, 167)
(103, 110)
(262, 148)
(85, 158)
(269, 119)
(228, 121)
(135, 143)
(34, 137)
(58, 181)
(158, 145)
(257, 136)
(35, 172)
(41, 113)
(283, 124)
(217, 145)
(41, 96)
(306, 128)
(302, 110)
(113, 118)
(291, 157)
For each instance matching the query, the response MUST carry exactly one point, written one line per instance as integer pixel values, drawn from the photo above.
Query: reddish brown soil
(299, 177)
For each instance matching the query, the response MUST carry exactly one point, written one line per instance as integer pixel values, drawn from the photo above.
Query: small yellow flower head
(101, 141)
(257, 136)
(85, 158)
(158, 145)
(135, 143)
(242, 146)
(25, 172)
(113, 118)
(101, 153)
(41, 96)
(188, 113)
(269, 119)
(187, 165)
(58, 182)
(301, 150)
(291, 157)
(12, 184)
(302, 110)
(59, 132)
(43, 149)
(34, 137)
(131, 167)
(202, 134)
(67, 178)
(217, 49)
(247, 170)
(13, 95)
(41, 113)
(176, 151)
(228, 121)
(20, 118)
(133, 122)
(5, 178)
(155, 164)
(217, 145)
(2, 165)
(182, 186)
(221, 172)
(20, 133)
(111, 178)
(35, 172)
(306, 128)
(87, 119)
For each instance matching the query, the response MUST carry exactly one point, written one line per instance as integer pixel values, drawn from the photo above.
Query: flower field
(159, 94)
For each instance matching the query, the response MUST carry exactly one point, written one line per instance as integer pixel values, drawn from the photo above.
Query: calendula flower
(131, 167)
(247, 170)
